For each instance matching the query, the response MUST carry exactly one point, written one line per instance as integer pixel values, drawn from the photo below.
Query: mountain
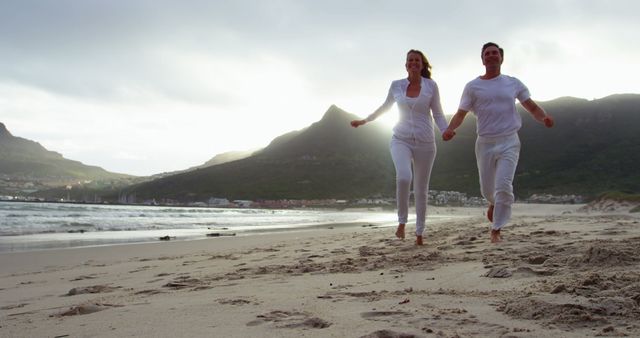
(23, 160)
(594, 147)
(328, 159)
(228, 157)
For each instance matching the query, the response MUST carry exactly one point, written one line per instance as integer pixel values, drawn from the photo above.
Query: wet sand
(561, 271)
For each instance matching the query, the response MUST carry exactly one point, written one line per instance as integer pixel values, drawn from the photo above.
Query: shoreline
(72, 239)
(63, 240)
(558, 273)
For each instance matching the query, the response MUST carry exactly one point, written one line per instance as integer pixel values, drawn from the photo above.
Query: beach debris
(498, 272)
(79, 231)
(220, 234)
(377, 314)
(563, 314)
(84, 277)
(529, 271)
(314, 322)
(404, 301)
(14, 306)
(91, 289)
(149, 292)
(183, 282)
(537, 260)
(238, 301)
(165, 238)
(291, 320)
(389, 334)
(559, 288)
(611, 253)
(367, 251)
(85, 309)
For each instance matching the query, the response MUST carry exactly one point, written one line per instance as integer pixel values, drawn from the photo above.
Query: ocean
(26, 226)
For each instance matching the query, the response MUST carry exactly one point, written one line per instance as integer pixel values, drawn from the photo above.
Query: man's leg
(486, 169)
(505, 171)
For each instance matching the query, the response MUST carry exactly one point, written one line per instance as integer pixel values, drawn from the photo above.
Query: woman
(413, 139)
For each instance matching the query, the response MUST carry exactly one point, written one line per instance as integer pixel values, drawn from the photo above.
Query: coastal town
(438, 198)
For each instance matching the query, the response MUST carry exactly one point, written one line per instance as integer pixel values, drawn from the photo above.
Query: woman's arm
(436, 109)
(381, 110)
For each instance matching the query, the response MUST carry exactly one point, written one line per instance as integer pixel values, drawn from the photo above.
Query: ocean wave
(78, 224)
(17, 215)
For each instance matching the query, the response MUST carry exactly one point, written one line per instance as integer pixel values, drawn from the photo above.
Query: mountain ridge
(593, 148)
(27, 165)
(296, 165)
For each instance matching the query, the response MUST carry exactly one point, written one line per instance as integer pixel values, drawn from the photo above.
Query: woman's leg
(401, 155)
(423, 157)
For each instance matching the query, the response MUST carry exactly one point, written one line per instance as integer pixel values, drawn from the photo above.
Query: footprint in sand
(91, 289)
(85, 309)
(15, 306)
(184, 282)
(291, 320)
(498, 272)
(238, 301)
(389, 334)
(374, 315)
(83, 277)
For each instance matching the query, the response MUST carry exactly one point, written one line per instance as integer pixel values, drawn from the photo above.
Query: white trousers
(497, 159)
(422, 155)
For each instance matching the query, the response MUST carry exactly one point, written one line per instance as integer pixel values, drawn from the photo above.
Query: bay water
(26, 226)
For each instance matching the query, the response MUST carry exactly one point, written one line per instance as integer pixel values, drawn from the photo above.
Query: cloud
(94, 79)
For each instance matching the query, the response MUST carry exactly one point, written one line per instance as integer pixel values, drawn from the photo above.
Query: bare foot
(400, 231)
(419, 240)
(490, 213)
(495, 236)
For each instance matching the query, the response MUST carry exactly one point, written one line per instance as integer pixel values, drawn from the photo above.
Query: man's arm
(538, 113)
(455, 122)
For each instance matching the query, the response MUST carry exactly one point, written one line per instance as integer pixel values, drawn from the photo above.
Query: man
(492, 97)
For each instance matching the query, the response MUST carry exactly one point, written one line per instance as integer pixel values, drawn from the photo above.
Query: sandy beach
(561, 271)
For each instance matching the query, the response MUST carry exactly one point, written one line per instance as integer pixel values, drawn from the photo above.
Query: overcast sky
(143, 87)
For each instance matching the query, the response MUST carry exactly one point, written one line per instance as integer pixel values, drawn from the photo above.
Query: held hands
(548, 121)
(448, 134)
(357, 123)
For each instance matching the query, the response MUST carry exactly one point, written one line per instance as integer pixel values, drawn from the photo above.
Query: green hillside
(329, 159)
(26, 166)
(593, 148)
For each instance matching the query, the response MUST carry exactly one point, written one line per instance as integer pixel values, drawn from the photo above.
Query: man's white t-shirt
(493, 103)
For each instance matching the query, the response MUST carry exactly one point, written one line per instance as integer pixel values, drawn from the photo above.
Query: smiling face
(414, 63)
(491, 56)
